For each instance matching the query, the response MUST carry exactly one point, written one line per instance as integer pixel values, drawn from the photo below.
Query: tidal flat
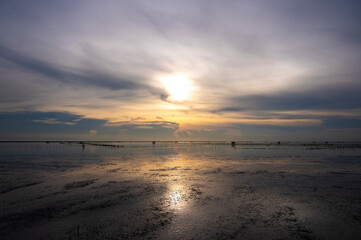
(180, 190)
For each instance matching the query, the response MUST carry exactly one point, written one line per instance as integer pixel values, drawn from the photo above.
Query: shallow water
(184, 190)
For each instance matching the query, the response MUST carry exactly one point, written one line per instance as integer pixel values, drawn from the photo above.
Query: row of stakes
(110, 145)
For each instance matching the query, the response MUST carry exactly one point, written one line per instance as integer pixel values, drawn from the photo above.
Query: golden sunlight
(178, 87)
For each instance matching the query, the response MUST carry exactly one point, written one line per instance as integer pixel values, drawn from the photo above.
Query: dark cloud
(92, 78)
(338, 96)
(46, 122)
(63, 125)
(340, 123)
(228, 109)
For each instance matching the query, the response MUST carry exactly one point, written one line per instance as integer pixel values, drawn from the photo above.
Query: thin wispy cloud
(52, 121)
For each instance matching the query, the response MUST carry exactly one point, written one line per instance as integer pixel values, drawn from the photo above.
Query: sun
(177, 86)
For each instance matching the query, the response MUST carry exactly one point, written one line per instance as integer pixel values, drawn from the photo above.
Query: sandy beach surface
(72, 190)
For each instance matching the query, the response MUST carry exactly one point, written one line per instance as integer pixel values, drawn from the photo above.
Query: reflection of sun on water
(175, 198)
(178, 86)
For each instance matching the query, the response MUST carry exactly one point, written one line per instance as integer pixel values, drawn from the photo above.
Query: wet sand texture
(179, 191)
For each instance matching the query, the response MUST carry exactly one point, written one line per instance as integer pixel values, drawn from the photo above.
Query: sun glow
(177, 86)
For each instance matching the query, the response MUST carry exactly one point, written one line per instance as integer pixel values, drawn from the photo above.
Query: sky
(232, 70)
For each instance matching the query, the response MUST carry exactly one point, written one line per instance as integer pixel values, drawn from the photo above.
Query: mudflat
(168, 190)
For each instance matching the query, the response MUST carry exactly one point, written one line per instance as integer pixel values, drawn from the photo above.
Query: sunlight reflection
(175, 198)
(177, 191)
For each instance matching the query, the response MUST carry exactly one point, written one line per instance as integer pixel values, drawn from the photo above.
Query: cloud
(53, 121)
(46, 121)
(143, 127)
(278, 65)
(146, 124)
(342, 123)
(66, 76)
(67, 126)
(93, 132)
(328, 97)
(137, 118)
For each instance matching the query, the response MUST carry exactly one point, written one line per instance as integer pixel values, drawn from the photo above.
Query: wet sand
(179, 191)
